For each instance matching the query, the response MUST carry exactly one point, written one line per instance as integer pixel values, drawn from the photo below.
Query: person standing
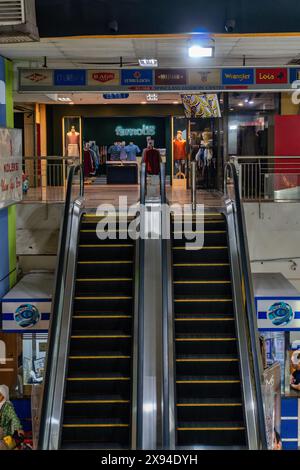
(9, 421)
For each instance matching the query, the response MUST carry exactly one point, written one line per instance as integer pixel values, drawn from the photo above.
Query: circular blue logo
(281, 314)
(27, 316)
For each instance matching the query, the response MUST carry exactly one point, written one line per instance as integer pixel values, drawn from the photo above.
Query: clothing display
(132, 151)
(152, 159)
(123, 153)
(114, 152)
(179, 149)
(88, 163)
(73, 143)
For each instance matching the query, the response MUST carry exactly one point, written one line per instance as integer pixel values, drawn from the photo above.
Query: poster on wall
(10, 167)
(281, 314)
(201, 106)
(272, 403)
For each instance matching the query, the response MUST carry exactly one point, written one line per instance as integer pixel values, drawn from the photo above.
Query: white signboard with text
(10, 167)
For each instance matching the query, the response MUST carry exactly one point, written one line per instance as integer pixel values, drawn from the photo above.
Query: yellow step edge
(201, 300)
(95, 425)
(208, 381)
(196, 248)
(205, 214)
(104, 317)
(100, 337)
(190, 265)
(107, 246)
(212, 429)
(202, 282)
(87, 402)
(182, 340)
(204, 319)
(83, 358)
(105, 262)
(103, 298)
(204, 405)
(212, 232)
(98, 379)
(207, 360)
(125, 279)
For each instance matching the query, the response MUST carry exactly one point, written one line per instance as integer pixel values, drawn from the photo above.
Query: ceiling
(170, 51)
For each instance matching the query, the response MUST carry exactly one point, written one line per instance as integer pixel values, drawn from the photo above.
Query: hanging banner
(204, 77)
(240, 76)
(38, 78)
(271, 76)
(294, 75)
(278, 314)
(69, 78)
(11, 191)
(170, 77)
(137, 77)
(103, 77)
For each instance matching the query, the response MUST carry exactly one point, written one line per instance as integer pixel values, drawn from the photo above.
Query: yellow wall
(287, 106)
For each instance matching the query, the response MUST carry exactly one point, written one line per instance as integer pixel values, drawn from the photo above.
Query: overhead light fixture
(197, 51)
(175, 102)
(152, 97)
(251, 102)
(241, 104)
(148, 62)
(143, 102)
(64, 99)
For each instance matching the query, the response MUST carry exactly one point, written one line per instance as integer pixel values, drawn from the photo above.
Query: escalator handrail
(140, 358)
(58, 287)
(230, 170)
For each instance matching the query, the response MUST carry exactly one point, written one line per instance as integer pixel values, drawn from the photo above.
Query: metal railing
(231, 192)
(264, 178)
(58, 327)
(45, 178)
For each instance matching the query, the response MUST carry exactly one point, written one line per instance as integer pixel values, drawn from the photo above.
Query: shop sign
(10, 167)
(103, 77)
(69, 77)
(294, 75)
(145, 130)
(25, 315)
(204, 77)
(137, 77)
(36, 78)
(170, 77)
(240, 76)
(271, 76)
(278, 314)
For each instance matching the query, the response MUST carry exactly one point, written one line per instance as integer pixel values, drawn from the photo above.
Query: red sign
(170, 77)
(103, 77)
(271, 76)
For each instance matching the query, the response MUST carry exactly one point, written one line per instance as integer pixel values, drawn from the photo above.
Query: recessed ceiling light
(198, 51)
(152, 97)
(148, 62)
(64, 99)
(251, 102)
(241, 104)
(175, 102)
(143, 102)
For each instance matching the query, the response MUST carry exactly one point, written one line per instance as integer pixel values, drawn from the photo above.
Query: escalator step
(70, 445)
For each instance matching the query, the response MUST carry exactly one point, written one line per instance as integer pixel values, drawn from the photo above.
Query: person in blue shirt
(132, 151)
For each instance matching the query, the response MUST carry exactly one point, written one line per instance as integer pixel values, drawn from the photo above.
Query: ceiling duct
(18, 21)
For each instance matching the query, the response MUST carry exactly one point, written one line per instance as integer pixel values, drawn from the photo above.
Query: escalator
(209, 403)
(97, 404)
(90, 388)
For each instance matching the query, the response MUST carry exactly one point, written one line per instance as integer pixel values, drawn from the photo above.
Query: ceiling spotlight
(148, 62)
(241, 104)
(175, 102)
(143, 102)
(251, 102)
(198, 51)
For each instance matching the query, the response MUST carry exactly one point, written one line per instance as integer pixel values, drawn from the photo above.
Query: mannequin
(180, 154)
(73, 143)
(132, 150)
(123, 153)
